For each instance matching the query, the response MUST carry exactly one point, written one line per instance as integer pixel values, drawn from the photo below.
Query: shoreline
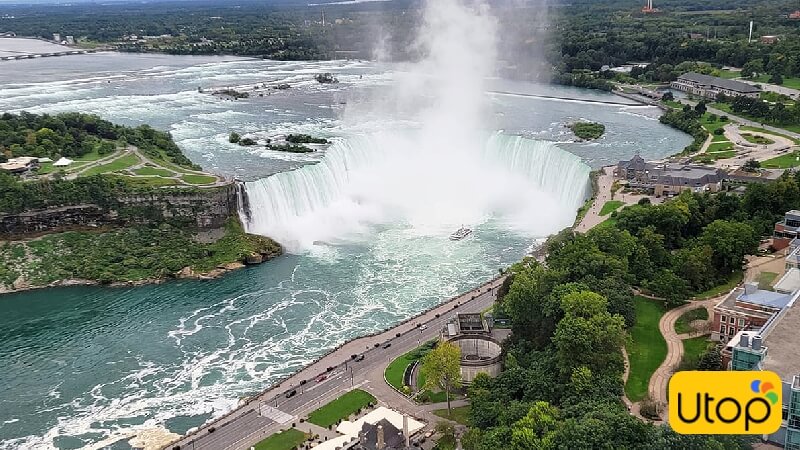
(342, 354)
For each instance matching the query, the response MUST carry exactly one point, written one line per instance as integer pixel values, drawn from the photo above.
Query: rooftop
(789, 282)
(764, 304)
(730, 85)
(784, 345)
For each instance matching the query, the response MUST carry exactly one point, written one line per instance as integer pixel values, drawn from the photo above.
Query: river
(81, 364)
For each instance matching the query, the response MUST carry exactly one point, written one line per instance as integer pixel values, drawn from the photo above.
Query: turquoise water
(79, 365)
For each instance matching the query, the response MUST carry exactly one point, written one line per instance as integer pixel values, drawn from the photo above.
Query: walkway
(746, 150)
(603, 195)
(657, 389)
(751, 123)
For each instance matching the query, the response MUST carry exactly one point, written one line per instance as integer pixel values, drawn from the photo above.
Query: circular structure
(480, 353)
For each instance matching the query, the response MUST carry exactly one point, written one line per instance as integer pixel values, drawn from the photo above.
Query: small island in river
(587, 131)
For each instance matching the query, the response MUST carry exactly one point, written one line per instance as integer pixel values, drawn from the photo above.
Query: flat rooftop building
(709, 87)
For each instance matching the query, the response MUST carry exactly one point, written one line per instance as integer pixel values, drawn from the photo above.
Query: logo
(729, 402)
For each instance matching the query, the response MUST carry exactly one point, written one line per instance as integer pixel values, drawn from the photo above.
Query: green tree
(441, 368)
(731, 241)
(536, 430)
(752, 68)
(670, 287)
(711, 359)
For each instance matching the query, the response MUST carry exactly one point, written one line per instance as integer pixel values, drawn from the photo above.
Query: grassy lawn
(789, 82)
(765, 131)
(673, 104)
(719, 138)
(727, 108)
(395, 370)
(647, 348)
(341, 408)
(711, 125)
(782, 162)
(610, 206)
(755, 139)
(765, 280)
(460, 414)
(198, 179)
(735, 279)
(682, 324)
(720, 147)
(151, 181)
(693, 349)
(729, 74)
(114, 166)
(149, 171)
(285, 440)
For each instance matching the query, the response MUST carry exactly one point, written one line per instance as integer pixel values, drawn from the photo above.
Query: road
(272, 410)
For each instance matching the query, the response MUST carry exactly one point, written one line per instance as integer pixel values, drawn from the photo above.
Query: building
(769, 39)
(786, 230)
(380, 429)
(668, 179)
(649, 9)
(20, 164)
(709, 87)
(795, 15)
(745, 308)
(774, 347)
(478, 343)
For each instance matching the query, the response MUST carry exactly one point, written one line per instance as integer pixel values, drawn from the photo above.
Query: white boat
(460, 234)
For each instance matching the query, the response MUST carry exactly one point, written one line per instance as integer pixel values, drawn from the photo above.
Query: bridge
(22, 55)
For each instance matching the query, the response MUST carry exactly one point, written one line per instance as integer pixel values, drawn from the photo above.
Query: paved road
(272, 410)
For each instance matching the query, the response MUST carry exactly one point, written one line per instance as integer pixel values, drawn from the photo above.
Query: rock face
(196, 208)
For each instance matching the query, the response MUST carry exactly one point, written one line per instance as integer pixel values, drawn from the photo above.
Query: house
(786, 230)
(745, 308)
(20, 164)
(769, 39)
(709, 87)
(774, 347)
(62, 162)
(696, 36)
(795, 15)
(668, 179)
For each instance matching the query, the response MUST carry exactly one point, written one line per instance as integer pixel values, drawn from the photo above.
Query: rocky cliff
(195, 208)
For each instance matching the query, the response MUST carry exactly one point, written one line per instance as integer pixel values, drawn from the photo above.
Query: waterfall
(383, 178)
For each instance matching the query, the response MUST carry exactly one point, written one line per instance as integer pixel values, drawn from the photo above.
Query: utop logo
(729, 402)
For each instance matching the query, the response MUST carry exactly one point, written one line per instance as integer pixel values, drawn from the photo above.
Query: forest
(563, 379)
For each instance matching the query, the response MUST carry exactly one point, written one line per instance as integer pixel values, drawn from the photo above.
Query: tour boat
(460, 234)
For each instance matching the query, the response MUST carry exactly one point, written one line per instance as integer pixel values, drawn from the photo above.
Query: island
(587, 131)
(85, 201)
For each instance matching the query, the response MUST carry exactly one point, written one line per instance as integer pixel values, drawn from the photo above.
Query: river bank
(128, 257)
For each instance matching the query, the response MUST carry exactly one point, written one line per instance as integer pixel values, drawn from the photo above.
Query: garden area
(785, 161)
(610, 206)
(395, 372)
(693, 350)
(285, 440)
(684, 323)
(647, 347)
(733, 281)
(757, 139)
(459, 414)
(341, 408)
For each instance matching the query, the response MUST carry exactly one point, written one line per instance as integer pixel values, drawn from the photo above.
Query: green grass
(693, 349)
(285, 440)
(782, 162)
(682, 325)
(719, 138)
(724, 288)
(727, 108)
(91, 156)
(151, 181)
(198, 179)
(114, 166)
(647, 348)
(789, 82)
(672, 104)
(720, 147)
(459, 414)
(341, 408)
(765, 280)
(610, 206)
(153, 171)
(729, 74)
(755, 139)
(765, 131)
(711, 125)
(395, 370)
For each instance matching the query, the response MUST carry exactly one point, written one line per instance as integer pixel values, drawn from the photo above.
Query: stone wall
(195, 208)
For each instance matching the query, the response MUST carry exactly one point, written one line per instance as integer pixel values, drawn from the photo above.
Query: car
(423, 327)
(291, 393)
(360, 358)
(302, 382)
(329, 369)
(387, 345)
(353, 356)
(322, 378)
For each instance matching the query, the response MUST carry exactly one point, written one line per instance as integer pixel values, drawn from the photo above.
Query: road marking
(275, 414)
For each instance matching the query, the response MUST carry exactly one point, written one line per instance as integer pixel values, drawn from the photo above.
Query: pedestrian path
(275, 414)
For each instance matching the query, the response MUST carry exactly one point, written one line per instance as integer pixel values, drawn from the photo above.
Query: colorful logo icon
(725, 402)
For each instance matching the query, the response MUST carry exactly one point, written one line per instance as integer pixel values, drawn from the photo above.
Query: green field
(682, 325)
(729, 74)
(673, 104)
(765, 131)
(789, 82)
(610, 206)
(114, 166)
(727, 108)
(151, 181)
(693, 349)
(198, 179)
(720, 147)
(285, 440)
(724, 288)
(341, 408)
(782, 162)
(459, 414)
(647, 348)
(765, 280)
(395, 370)
(153, 171)
(756, 139)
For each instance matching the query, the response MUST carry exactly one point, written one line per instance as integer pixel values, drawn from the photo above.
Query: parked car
(360, 358)
(291, 393)
(322, 378)
(387, 345)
